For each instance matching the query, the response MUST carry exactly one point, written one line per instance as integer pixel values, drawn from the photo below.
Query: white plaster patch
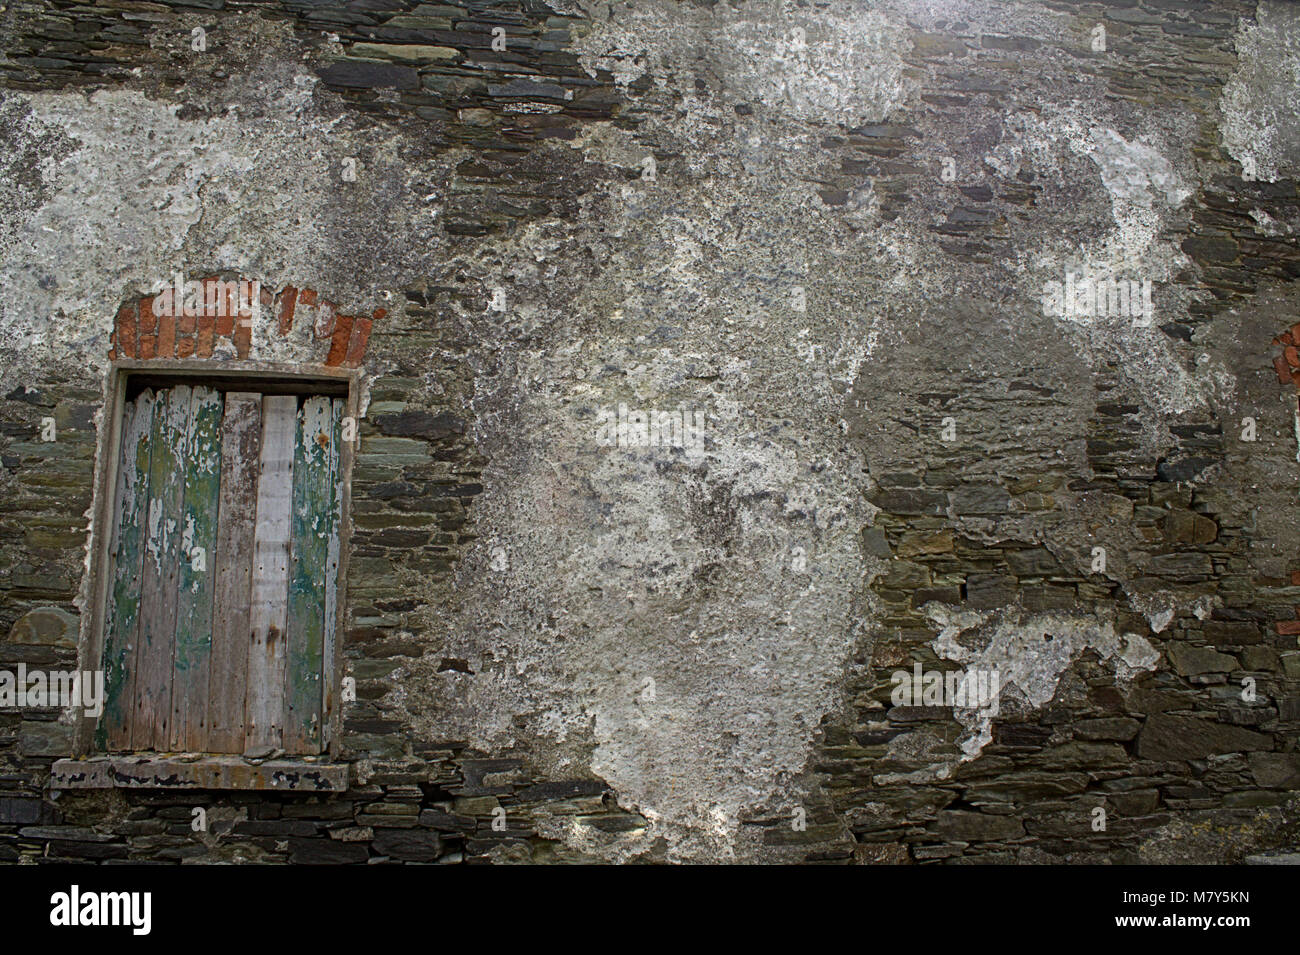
(1259, 123)
(1161, 606)
(842, 66)
(1267, 225)
(1144, 188)
(676, 620)
(1029, 654)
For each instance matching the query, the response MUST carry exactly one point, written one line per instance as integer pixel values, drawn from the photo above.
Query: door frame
(104, 509)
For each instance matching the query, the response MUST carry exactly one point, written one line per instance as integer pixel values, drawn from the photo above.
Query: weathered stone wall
(827, 227)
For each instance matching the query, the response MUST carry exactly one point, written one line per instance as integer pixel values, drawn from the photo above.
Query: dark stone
(1182, 526)
(987, 591)
(409, 845)
(1205, 248)
(1232, 632)
(904, 575)
(1184, 469)
(47, 739)
(420, 424)
(875, 543)
(321, 851)
(1040, 597)
(1170, 738)
(65, 834)
(1036, 562)
(369, 74)
(944, 595)
(1021, 734)
(1188, 660)
(981, 499)
(910, 501)
(19, 810)
(437, 819)
(392, 489)
(1181, 566)
(275, 827)
(1117, 728)
(402, 538)
(958, 826)
(45, 626)
(527, 89)
(567, 789)
(1020, 787)
(88, 850)
(1275, 770)
(1082, 755)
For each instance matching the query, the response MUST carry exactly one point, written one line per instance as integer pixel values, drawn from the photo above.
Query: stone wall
(827, 227)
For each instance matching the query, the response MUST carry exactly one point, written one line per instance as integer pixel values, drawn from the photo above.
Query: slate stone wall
(569, 653)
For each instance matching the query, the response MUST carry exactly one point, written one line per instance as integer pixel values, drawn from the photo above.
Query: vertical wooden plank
(162, 558)
(264, 713)
(241, 448)
(123, 618)
(329, 689)
(310, 525)
(192, 658)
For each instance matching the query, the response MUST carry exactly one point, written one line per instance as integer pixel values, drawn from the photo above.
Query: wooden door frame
(104, 509)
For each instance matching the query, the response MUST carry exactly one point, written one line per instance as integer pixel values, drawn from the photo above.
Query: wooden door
(224, 589)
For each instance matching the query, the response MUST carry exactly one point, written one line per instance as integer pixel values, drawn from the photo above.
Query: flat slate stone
(1275, 770)
(526, 88)
(1035, 562)
(325, 852)
(46, 739)
(1181, 565)
(987, 591)
(1169, 738)
(976, 827)
(370, 74)
(911, 501)
(408, 52)
(410, 845)
(19, 811)
(45, 627)
(420, 424)
(1193, 661)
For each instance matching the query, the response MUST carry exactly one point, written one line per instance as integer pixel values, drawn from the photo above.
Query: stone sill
(206, 772)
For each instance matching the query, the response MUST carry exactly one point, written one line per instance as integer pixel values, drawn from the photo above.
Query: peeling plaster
(842, 66)
(1259, 124)
(1029, 652)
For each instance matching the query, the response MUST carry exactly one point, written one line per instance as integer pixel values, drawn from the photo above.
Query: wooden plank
(192, 658)
(162, 558)
(310, 525)
(241, 449)
(264, 713)
(330, 688)
(123, 618)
